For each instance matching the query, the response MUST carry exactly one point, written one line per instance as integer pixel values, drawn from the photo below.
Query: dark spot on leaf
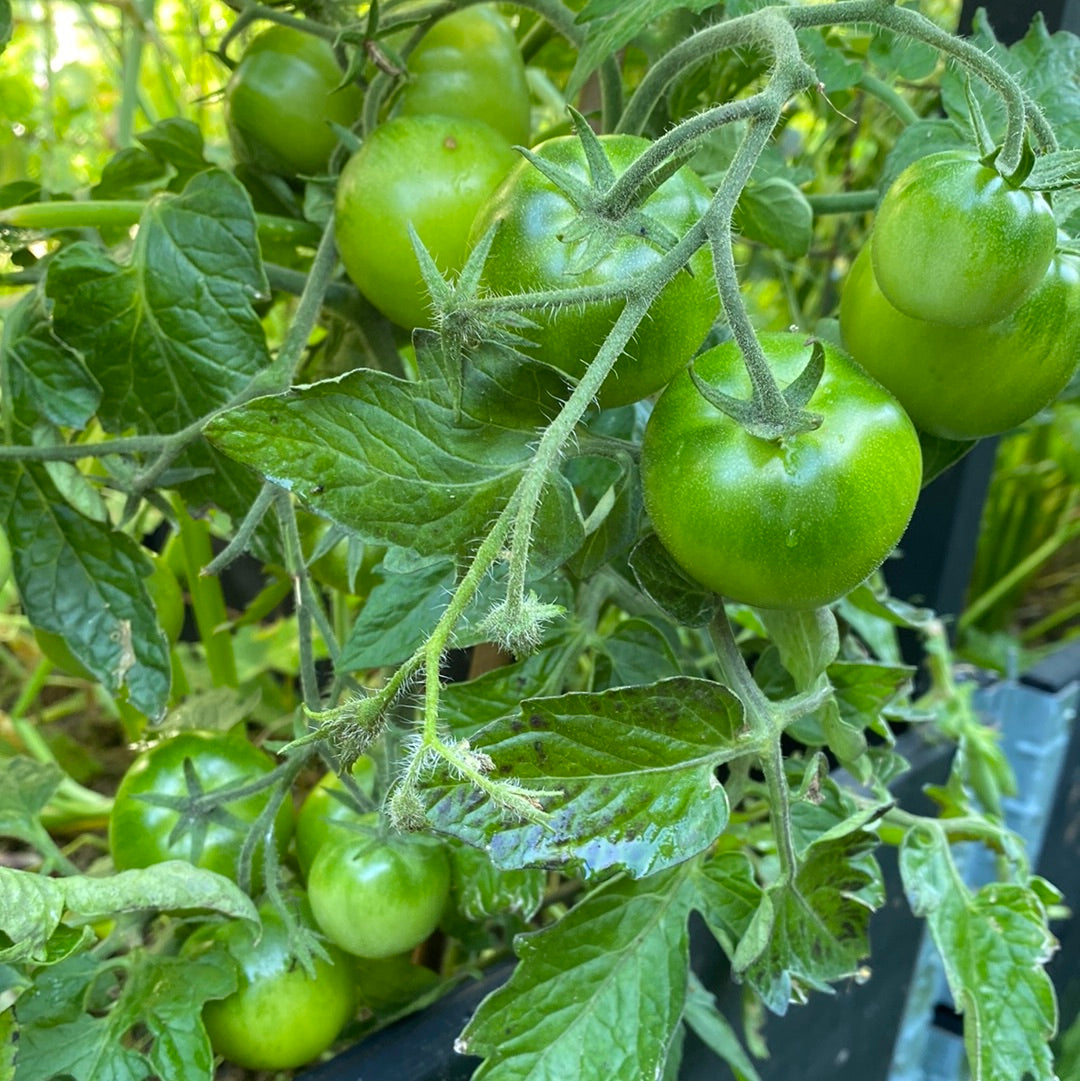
(536, 721)
(517, 726)
(450, 143)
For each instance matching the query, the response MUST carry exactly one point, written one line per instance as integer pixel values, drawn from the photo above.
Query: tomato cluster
(960, 305)
(371, 894)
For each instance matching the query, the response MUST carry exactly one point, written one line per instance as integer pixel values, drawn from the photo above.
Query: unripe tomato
(794, 523)
(968, 382)
(327, 814)
(431, 171)
(143, 830)
(281, 99)
(953, 243)
(379, 894)
(279, 1017)
(469, 65)
(529, 254)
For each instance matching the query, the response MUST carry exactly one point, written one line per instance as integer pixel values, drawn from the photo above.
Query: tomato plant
(327, 812)
(280, 1016)
(535, 249)
(379, 894)
(281, 100)
(147, 824)
(954, 243)
(432, 172)
(469, 65)
(621, 627)
(968, 382)
(794, 523)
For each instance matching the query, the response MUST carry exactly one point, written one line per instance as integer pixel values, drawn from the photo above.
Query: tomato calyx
(602, 219)
(763, 415)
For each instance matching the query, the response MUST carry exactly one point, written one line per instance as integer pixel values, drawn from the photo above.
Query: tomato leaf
(620, 957)
(26, 786)
(715, 1031)
(813, 931)
(172, 334)
(635, 766)
(41, 376)
(483, 891)
(32, 906)
(160, 994)
(1044, 64)
(634, 652)
(775, 213)
(384, 458)
(611, 24)
(85, 581)
(990, 940)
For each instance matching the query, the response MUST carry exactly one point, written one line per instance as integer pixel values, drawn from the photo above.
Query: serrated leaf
(177, 142)
(172, 334)
(42, 377)
(596, 997)
(994, 944)
(1057, 170)
(70, 1025)
(85, 581)
(813, 932)
(389, 460)
(1044, 64)
(635, 768)
(728, 896)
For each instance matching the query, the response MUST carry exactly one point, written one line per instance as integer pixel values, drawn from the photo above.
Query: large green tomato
(142, 829)
(791, 524)
(379, 894)
(953, 243)
(279, 1017)
(431, 171)
(469, 65)
(328, 813)
(281, 99)
(968, 382)
(530, 253)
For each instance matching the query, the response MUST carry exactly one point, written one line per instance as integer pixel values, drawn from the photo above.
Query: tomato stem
(125, 213)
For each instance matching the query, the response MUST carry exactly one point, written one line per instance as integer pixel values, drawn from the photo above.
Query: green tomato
(379, 894)
(143, 831)
(281, 99)
(530, 253)
(167, 598)
(279, 1017)
(953, 243)
(968, 382)
(790, 524)
(327, 812)
(469, 65)
(431, 171)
